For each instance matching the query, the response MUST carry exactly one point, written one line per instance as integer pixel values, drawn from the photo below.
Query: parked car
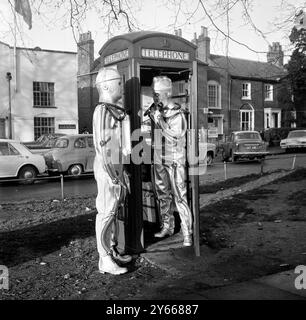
(209, 147)
(44, 143)
(72, 154)
(17, 161)
(244, 145)
(296, 140)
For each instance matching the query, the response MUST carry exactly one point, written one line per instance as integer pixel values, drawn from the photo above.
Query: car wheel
(75, 170)
(27, 174)
(209, 158)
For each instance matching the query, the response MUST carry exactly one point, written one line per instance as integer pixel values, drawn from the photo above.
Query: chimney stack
(178, 32)
(275, 55)
(203, 43)
(85, 53)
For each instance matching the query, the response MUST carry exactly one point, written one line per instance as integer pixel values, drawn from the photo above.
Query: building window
(246, 117)
(214, 95)
(246, 91)
(43, 126)
(43, 94)
(268, 92)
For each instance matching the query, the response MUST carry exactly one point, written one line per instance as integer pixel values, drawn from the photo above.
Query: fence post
(262, 166)
(225, 171)
(62, 186)
(293, 163)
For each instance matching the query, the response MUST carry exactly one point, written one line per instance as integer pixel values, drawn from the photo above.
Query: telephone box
(139, 56)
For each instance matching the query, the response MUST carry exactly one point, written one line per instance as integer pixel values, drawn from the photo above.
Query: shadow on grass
(21, 245)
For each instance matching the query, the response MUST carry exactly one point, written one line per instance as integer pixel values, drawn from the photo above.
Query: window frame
(217, 98)
(46, 126)
(270, 97)
(249, 95)
(43, 94)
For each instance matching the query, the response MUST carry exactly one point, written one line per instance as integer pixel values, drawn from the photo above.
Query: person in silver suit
(109, 120)
(169, 169)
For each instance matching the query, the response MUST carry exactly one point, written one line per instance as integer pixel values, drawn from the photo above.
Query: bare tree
(112, 14)
(117, 15)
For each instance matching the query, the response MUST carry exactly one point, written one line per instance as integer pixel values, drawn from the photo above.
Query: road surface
(51, 189)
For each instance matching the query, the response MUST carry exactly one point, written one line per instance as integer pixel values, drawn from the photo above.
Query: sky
(160, 16)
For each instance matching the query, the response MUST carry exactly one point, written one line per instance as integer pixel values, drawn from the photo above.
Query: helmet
(162, 84)
(107, 74)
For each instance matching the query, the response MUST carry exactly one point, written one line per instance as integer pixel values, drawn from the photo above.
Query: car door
(90, 154)
(10, 160)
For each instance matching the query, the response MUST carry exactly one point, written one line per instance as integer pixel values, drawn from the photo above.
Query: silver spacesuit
(109, 121)
(170, 126)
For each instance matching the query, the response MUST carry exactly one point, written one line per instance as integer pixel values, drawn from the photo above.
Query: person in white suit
(169, 172)
(111, 141)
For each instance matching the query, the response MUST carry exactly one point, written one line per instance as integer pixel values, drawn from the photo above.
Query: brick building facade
(242, 94)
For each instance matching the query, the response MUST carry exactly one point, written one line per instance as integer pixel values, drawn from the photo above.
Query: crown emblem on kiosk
(165, 43)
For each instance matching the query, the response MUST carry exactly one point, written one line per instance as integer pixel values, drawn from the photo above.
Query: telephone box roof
(137, 36)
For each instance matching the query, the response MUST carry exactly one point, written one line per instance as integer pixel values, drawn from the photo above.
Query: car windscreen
(61, 143)
(248, 135)
(297, 134)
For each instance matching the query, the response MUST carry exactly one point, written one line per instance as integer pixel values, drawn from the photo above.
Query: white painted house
(42, 95)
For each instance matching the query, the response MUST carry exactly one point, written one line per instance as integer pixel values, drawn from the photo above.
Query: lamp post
(9, 78)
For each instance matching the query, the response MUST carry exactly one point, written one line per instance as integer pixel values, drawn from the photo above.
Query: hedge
(274, 135)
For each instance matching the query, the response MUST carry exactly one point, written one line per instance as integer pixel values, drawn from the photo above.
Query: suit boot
(107, 265)
(188, 241)
(163, 233)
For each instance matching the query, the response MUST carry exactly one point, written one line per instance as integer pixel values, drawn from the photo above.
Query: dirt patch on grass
(250, 235)
(281, 200)
(50, 246)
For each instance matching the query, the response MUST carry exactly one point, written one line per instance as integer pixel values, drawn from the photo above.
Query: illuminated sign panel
(165, 54)
(118, 56)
